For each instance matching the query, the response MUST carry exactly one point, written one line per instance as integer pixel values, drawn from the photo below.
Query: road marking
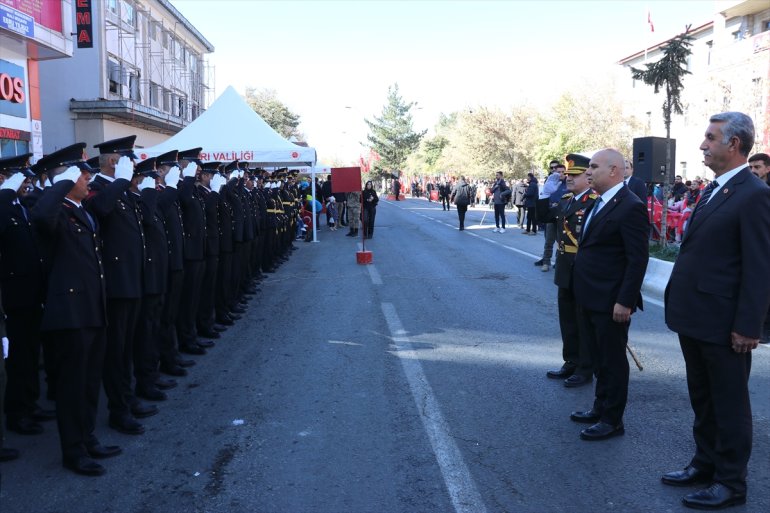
(462, 490)
(374, 274)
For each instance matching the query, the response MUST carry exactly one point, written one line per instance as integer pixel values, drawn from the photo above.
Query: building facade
(145, 74)
(30, 33)
(730, 71)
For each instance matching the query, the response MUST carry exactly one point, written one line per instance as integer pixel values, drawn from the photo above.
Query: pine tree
(668, 73)
(392, 135)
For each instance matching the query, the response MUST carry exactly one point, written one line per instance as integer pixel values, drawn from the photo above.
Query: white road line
(374, 274)
(462, 490)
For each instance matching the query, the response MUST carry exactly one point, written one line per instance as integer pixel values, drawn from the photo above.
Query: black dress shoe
(85, 467)
(43, 415)
(206, 344)
(141, 410)
(585, 417)
(235, 317)
(238, 310)
(8, 454)
(151, 394)
(208, 333)
(602, 431)
(690, 475)
(101, 452)
(192, 349)
(219, 328)
(182, 362)
(539, 263)
(165, 384)
(25, 426)
(173, 370)
(126, 425)
(225, 321)
(716, 496)
(567, 370)
(577, 380)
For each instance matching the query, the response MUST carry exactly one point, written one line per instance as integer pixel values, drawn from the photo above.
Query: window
(115, 71)
(13, 147)
(709, 45)
(166, 39)
(152, 30)
(112, 6)
(737, 35)
(134, 89)
(155, 93)
(127, 13)
(166, 100)
(182, 106)
(765, 26)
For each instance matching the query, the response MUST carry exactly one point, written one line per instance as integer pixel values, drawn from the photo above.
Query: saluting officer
(209, 183)
(124, 248)
(224, 285)
(577, 369)
(22, 281)
(75, 314)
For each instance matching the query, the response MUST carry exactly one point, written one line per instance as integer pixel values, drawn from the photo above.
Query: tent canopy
(231, 130)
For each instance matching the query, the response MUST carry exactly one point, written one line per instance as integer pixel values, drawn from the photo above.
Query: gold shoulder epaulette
(568, 195)
(593, 195)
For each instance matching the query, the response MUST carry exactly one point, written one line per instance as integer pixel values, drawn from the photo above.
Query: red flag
(649, 22)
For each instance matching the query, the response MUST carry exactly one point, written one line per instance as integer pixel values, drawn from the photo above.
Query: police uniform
(223, 288)
(75, 315)
(124, 252)
(571, 214)
(22, 281)
(205, 315)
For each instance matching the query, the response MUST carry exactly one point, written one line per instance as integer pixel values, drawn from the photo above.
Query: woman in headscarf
(370, 209)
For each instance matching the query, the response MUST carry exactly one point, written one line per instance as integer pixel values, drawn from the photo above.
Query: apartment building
(730, 71)
(146, 74)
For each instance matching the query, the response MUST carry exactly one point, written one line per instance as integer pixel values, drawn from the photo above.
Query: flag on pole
(649, 22)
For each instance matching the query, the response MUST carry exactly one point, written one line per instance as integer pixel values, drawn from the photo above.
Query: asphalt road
(414, 384)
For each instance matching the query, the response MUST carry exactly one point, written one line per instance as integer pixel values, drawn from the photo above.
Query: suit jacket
(122, 236)
(638, 187)
(211, 207)
(226, 224)
(76, 288)
(193, 219)
(613, 255)
(719, 283)
(156, 244)
(21, 261)
(168, 203)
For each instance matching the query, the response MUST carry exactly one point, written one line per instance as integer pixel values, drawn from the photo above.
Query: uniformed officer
(354, 212)
(209, 182)
(194, 223)
(124, 253)
(22, 281)
(577, 369)
(75, 314)
(169, 174)
(224, 284)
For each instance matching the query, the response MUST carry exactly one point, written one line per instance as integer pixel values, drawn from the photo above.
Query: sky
(331, 62)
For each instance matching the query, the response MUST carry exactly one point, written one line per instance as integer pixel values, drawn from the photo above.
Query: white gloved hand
(124, 168)
(190, 170)
(237, 174)
(71, 173)
(217, 182)
(147, 183)
(5, 347)
(13, 182)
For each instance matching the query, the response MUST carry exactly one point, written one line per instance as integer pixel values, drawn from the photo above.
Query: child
(331, 207)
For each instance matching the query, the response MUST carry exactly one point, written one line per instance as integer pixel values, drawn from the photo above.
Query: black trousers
(205, 317)
(22, 365)
(718, 383)
(224, 285)
(575, 346)
(169, 345)
(445, 204)
(188, 304)
(532, 219)
(369, 214)
(122, 317)
(607, 341)
(500, 215)
(461, 210)
(79, 356)
(147, 341)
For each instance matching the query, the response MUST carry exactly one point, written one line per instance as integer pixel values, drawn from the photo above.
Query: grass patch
(669, 253)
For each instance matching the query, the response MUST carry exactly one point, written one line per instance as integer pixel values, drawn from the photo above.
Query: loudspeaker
(650, 159)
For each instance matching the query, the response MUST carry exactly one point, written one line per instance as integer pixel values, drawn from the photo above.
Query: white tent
(231, 130)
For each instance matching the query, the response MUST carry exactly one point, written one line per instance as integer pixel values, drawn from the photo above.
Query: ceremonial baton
(636, 359)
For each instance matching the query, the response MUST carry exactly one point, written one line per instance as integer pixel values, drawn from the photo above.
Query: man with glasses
(551, 194)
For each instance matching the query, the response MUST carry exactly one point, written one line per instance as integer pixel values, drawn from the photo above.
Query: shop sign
(13, 91)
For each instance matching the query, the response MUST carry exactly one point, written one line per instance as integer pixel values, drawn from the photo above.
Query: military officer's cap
(71, 155)
(577, 163)
(93, 162)
(146, 168)
(210, 167)
(243, 165)
(19, 163)
(232, 166)
(191, 155)
(123, 146)
(167, 159)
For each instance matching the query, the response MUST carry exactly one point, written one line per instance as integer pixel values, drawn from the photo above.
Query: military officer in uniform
(577, 369)
(209, 183)
(226, 247)
(124, 252)
(75, 314)
(22, 282)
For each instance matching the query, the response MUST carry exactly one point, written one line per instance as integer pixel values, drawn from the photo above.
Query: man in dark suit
(577, 369)
(636, 185)
(75, 314)
(608, 275)
(716, 300)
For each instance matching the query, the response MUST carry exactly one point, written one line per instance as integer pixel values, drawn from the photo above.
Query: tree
(668, 73)
(392, 135)
(265, 102)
